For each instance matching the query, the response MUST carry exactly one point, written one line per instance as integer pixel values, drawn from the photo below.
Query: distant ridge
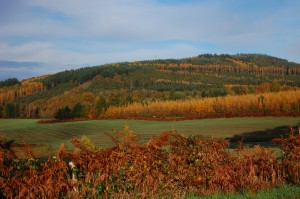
(23, 70)
(20, 70)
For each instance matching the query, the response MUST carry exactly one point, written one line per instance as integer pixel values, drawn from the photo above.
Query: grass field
(285, 191)
(50, 136)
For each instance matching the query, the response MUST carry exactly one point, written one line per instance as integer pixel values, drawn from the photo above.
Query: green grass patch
(53, 134)
(285, 191)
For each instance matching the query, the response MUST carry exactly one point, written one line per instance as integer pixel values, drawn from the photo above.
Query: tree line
(9, 82)
(274, 104)
(144, 82)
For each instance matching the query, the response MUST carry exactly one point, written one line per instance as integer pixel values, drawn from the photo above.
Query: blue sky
(75, 33)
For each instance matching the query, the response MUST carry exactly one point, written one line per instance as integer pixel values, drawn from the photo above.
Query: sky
(55, 35)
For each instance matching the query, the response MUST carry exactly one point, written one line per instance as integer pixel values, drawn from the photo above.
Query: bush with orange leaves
(291, 155)
(168, 165)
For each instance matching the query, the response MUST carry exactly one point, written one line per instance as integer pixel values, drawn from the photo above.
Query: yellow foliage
(250, 104)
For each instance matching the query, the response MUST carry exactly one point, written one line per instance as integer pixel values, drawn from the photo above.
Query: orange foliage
(280, 103)
(240, 67)
(168, 165)
(27, 87)
(291, 155)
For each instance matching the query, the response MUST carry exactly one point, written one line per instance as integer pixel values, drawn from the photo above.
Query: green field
(53, 134)
(285, 191)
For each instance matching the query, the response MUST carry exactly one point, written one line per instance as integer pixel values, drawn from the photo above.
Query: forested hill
(241, 63)
(88, 92)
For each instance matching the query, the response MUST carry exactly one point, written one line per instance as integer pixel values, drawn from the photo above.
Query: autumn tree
(9, 110)
(16, 110)
(275, 86)
(63, 113)
(78, 111)
(115, 100)
(128, 100)
(240, 90)
(101, 105)
(9, 82)
(1, 111)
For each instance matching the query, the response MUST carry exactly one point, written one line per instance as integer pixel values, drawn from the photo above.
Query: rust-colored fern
(169, 164)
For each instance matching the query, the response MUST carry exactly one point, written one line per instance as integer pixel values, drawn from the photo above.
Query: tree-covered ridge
(265, 60)
(254, 64)
(121, 84)
(83, 75)
(208, 59)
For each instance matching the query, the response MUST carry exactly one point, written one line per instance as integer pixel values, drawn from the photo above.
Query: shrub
(168, 165)
(291, 155)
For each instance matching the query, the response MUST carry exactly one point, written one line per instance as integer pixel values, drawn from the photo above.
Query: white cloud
(24, 52)
(96, 32)
(136, 20)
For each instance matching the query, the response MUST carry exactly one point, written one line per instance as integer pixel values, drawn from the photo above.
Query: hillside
(96, 92)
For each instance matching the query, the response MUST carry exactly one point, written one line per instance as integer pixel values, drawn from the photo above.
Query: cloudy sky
(66, 34)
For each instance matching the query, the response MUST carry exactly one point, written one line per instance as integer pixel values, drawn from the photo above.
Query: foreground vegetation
(167, 165)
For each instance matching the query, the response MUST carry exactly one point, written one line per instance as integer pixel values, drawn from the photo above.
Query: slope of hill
(89, 92)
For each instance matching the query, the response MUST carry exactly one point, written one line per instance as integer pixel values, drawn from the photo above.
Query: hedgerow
(169, 164)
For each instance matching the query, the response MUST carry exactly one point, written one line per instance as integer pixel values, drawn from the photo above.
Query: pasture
(48, 137)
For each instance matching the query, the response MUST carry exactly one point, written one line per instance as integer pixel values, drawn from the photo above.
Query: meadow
(46, 138)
